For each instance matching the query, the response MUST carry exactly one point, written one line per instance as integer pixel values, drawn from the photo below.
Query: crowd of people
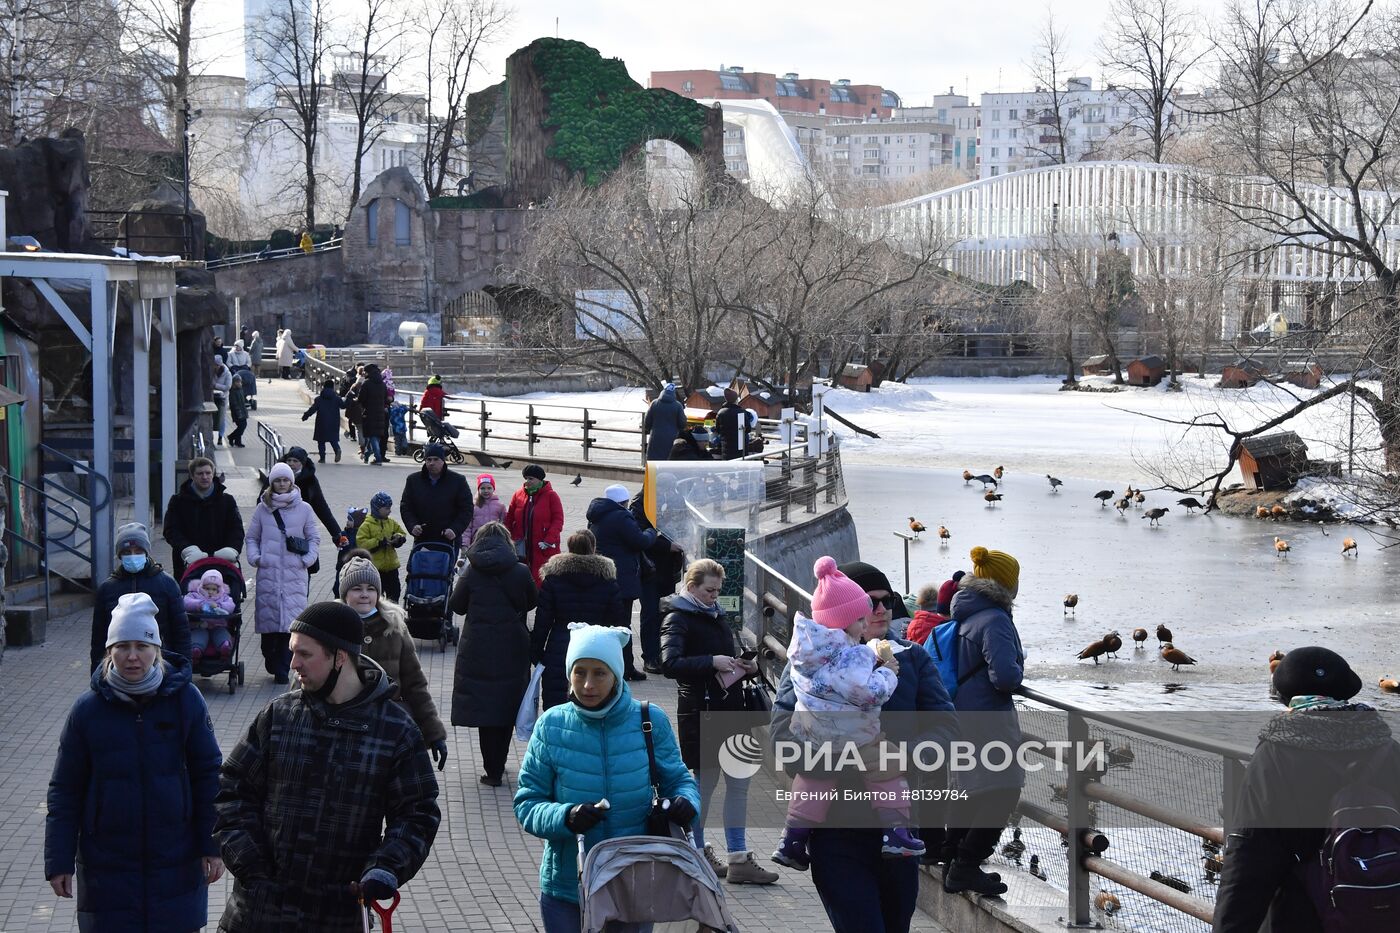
(331, 797)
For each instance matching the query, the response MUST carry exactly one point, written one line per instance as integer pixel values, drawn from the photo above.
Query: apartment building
(788, 93)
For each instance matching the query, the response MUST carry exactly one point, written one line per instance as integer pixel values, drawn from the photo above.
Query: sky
(915, 47)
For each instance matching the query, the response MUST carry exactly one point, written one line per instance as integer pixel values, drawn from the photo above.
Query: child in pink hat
(487, 508)
(840, 685)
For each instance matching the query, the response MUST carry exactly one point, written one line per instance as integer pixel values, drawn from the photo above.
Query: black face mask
(324, 693)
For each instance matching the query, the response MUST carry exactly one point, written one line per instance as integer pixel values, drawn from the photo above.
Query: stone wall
(470, 245)
(306, 293)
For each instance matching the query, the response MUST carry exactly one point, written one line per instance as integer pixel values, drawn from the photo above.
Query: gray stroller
(649, 879)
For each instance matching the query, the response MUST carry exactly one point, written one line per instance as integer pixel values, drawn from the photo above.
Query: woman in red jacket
(433, 397)
(536, 520)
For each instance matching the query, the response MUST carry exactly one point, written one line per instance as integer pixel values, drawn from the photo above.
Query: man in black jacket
(202, 519)
(734, 424)
(436, 503)
(332, 785)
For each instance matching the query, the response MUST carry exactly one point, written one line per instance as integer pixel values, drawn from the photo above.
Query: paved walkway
(483, 872)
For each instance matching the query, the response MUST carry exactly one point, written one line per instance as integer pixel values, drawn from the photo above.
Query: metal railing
(113, 228)
(273, 448)
(264, 254)
(1074, 808)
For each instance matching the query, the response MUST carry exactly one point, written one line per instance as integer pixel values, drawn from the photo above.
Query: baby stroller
(214, 666)
(649, 879)
(425, 593)
(439, 432)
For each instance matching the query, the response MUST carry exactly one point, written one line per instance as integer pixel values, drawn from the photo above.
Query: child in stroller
(439, 432)
(209, 605)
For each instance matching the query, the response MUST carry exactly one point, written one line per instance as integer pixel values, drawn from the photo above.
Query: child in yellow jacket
(381, 535)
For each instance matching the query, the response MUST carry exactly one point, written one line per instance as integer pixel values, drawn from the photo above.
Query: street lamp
(187, 139)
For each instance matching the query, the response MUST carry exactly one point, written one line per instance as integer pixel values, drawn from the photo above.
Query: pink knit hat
(838, 601)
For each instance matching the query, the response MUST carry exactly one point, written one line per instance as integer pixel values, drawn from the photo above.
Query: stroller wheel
(240, 674)
(232, 685)
(418, 455)
(442, 641)
(456, 456)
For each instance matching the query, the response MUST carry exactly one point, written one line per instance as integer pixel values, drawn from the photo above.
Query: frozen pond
(1215, 581)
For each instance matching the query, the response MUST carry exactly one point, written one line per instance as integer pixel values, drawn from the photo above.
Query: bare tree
(291, 48)
(451, 37)
(161, 37)
(1047, 127)
(375, 41)
(1150, 46)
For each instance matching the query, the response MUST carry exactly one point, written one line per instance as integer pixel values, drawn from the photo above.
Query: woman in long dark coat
(579, 586)
(374, 396)
(326, 408)
(493, 656)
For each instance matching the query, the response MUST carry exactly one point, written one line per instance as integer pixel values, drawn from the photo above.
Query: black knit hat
(334, 625)
(435, 450)
(1315, 671)
(533, 471)
(868, 576)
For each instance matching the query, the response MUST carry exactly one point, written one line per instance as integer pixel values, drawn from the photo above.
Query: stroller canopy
(650, 879)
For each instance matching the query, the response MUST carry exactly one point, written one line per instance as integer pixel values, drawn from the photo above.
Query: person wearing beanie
(304, 472)
(374, 421)
(535, 520)
(577, 586)
(135, 745)
(889, 610)
(388, 641)
(281, 543)
(487, 507)
(434, 398)
(589, 749)
(1323, 743)
(991, 666)
(336, 745)
(663, 423)
(137, 572)
(850, 872)
(382, 536)
(735, 425)
(202, 519)
(697, 648)
(840, 683)
(494, 593)
(621, 539)
(436, 503)
(327, 408)
(209, 604)
(927, 616)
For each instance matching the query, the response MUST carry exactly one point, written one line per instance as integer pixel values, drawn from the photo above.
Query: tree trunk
(1387, 356)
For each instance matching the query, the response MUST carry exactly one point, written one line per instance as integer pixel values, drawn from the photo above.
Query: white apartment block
(893, 150)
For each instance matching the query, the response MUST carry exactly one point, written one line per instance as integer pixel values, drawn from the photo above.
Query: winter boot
(792, 851)
(963, 875)
(720, 866)
(743, 869)
(899, 842)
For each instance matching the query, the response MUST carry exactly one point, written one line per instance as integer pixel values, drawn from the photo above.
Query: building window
(687, 86)
(1010, 152)
(788, 88)
(996, 114)
(887, 140)
(1012, 133)
(732, 82)
(402, 230)
(994, 152)
(996, 170)
(1010, 114)
(372, 223)
(996, 134)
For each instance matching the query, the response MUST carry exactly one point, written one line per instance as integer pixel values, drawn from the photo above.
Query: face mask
(133, 563)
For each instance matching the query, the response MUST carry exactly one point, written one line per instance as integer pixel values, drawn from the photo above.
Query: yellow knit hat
(996, 565)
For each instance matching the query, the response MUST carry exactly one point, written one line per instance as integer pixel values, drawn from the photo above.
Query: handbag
(756, 696)
(299, 546)
(656, 823)
(529, 711)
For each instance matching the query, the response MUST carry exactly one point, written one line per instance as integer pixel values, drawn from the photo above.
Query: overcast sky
(915, 47)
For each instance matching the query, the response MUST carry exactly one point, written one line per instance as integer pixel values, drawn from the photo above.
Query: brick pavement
(483, 870)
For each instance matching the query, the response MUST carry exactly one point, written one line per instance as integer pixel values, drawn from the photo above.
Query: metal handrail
(50, 506)
(77, 466)
(245, 258)
(273, 448)
(776, 596)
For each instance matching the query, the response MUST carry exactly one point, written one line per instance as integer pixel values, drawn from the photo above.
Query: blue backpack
(942, 645)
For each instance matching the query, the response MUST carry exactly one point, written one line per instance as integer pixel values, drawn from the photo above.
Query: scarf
(126, 690)
(1317, 701)
(686, 603)
(281, 500)
(602, 709)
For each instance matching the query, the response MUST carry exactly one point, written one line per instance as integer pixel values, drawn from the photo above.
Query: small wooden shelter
(856, 376)
(1272, 461)
(1147, 371)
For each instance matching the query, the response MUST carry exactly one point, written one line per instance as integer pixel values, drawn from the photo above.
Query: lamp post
(186, 140)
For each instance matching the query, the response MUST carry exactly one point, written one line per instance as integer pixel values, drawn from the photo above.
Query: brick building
(788, 93)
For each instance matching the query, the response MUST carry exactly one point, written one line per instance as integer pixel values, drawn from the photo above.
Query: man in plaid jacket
(331, 787)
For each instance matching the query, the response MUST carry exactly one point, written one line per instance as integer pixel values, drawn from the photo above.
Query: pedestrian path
(483, 872)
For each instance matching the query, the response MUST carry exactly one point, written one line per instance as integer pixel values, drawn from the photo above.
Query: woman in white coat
(282, 555)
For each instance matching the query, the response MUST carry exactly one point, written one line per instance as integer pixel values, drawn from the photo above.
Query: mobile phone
(748, 655)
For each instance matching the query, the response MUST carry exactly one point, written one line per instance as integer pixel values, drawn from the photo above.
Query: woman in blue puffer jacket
(131, 801)
(588, 749)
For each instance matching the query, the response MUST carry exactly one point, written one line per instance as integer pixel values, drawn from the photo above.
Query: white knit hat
(134, 619)
(617, 493)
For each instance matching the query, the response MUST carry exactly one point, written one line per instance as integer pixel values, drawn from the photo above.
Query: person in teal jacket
(588, 749)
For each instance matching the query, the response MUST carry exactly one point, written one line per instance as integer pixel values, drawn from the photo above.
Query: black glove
(378, 885)
(439, 752)
(397, 541)
(583, 817)
(681, 811)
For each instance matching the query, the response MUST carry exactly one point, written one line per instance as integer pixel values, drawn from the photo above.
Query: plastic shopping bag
(529, 706)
